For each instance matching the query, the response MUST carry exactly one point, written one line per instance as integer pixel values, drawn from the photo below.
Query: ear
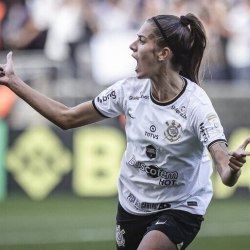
(164, 54)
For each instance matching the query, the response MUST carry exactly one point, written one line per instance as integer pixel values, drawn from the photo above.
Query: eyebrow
(151, 36)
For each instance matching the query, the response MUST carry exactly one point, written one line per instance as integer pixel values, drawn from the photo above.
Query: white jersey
(166, 162)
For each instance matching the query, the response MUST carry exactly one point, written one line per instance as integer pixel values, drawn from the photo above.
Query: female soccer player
(164, 183)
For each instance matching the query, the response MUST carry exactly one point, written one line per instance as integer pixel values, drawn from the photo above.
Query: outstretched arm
(61, 115)
(228, 164)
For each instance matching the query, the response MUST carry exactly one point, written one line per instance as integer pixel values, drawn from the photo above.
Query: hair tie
(184, 21)
(160, 29)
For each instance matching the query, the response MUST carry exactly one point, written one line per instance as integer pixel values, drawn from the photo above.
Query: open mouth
(136, 68)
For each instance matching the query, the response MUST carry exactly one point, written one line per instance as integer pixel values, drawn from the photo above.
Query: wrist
(235, 171)
(13, 79)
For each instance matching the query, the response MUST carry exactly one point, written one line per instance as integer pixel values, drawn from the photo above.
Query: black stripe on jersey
(216, 141)
(93, 102)
(173, 100)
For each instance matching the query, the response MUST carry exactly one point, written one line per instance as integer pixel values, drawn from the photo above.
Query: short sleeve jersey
(166, 162)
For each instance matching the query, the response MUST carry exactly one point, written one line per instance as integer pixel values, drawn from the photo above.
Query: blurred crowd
(61, 27)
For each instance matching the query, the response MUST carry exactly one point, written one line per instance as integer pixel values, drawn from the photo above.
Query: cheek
(149, 60)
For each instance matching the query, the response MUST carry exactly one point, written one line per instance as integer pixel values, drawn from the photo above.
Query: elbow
(62, 126)
(64, 121)
(65, 125)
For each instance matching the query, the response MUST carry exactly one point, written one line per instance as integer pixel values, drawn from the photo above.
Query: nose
(132, 46)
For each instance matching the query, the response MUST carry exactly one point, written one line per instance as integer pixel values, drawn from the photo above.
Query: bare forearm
(56, 112)
(221, 158)
(230, 177)
(228, 164)
(50, 109)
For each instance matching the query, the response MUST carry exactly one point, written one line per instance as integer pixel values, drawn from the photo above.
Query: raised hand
(238, 157)
(7, 70)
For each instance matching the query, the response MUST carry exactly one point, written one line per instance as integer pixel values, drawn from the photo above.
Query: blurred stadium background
(58, 188)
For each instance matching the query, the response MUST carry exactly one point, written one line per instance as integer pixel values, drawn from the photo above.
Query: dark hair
(186, 37)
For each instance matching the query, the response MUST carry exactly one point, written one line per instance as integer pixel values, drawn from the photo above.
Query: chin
(141, 76)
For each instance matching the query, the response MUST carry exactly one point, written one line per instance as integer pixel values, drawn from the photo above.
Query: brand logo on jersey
(204, 132)
(152, 128)
(181, 111)
(130, 113)
(167, 178)
(174, 131)
(161, 222)
(110, 95)
(151, 133)
(119, 236)
(141, 96)
(151, 151)
(180, 245)
(146, 206)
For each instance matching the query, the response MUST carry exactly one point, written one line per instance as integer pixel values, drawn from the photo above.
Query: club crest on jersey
(173, 131)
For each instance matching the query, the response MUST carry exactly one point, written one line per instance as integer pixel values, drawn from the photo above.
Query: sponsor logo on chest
(152, 132)
(180, 111)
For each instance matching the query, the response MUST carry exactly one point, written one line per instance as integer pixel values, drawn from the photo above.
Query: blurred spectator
(72, 25)
(64, 29)
(2, 16)
(213, 14)
(110, 45)
(181, 7)
(7, 101)
(237, 48)
(19, 28)
(111, 16)
(143, 9)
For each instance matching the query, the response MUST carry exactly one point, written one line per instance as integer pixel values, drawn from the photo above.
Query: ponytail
(186, 37)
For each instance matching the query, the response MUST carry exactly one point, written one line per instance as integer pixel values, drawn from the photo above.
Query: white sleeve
(109, 103)
(206, 124)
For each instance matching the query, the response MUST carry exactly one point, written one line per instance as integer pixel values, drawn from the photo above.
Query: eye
(141, 40)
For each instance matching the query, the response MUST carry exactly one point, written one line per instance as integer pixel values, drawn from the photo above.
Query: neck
(167, 88)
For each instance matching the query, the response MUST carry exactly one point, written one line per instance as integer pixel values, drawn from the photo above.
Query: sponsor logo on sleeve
(204, 132)
(110, 95)
(214, 122)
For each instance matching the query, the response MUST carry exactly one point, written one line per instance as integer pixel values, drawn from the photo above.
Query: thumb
(9, 57)
(9, 64)
(245, 153)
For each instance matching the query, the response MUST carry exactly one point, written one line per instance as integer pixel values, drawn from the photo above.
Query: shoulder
(198, 95)
(200, 104)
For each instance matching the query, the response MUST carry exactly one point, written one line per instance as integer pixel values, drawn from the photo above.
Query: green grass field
(71, 223)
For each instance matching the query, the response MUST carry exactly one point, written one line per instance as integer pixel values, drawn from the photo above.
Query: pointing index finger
(245, 143)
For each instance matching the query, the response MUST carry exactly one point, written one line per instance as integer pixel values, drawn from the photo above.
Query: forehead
(147, 30)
